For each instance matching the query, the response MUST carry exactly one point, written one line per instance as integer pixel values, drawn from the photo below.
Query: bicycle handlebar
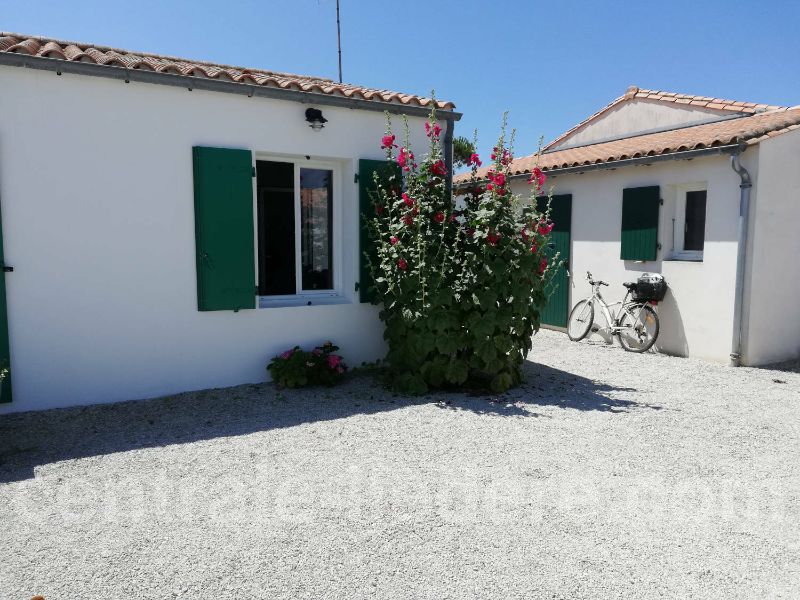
(592, 281)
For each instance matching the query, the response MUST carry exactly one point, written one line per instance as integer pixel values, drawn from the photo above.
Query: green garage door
(556, 310)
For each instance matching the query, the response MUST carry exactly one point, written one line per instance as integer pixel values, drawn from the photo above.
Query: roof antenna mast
(339, 39)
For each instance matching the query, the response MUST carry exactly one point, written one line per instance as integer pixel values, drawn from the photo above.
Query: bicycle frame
(612, 317)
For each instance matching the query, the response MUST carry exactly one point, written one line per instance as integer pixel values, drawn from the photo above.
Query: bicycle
(635, 324)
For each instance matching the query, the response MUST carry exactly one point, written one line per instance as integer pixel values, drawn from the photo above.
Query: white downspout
(741, 256)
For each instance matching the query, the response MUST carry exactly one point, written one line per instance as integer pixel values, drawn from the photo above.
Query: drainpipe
(741, 255)
(449, 125)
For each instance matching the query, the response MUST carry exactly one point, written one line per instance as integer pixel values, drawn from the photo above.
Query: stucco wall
(773, 282)
(697, 314)
(98, 222)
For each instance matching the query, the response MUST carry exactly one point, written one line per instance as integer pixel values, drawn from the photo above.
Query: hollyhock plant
(465, 313)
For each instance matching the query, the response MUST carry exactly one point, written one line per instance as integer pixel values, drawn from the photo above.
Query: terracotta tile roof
(633, 92)
(115, 57)
(746, 130)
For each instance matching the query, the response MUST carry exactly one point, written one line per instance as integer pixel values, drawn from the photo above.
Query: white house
(173, 224)
(703, 190)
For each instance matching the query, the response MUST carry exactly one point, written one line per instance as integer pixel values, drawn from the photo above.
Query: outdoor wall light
(315, 119)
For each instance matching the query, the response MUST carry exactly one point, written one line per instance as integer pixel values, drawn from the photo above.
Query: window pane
(276, 260)
(316, 215)
(695, 227)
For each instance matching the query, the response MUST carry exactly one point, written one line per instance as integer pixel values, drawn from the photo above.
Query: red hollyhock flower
(542, 266)
(378, 209)
(501, 191)
(474, 159)
(439, 217)
(534, 249)
(409, 201)
(545, 228)
(489, 187)
(393, 240)
(524, 233)
(402, 264)
(405, 159)
(492, 238)
(387, 141)
(439, 168)
(408, 219)
(452, 217)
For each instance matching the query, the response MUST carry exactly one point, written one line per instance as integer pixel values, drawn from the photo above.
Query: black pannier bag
(650, 287)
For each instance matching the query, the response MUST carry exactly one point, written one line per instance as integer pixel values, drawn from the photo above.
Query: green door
(556, 310)
(5, 355)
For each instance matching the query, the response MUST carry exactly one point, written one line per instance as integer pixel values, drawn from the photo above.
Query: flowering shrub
(461, 286)
(299, 368)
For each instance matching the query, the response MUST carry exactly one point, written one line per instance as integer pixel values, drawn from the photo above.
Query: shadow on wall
(29, 440)
(671, 336)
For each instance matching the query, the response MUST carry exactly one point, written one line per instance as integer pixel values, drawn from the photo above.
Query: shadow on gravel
(546, 386)
(28, 440)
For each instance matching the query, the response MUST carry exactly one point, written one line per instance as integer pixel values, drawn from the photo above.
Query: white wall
(697, 314)
(773, 281)
(98, 222)
(638, 116)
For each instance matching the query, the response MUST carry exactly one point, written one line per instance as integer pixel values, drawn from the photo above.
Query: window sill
(687, 259)
(301, 300)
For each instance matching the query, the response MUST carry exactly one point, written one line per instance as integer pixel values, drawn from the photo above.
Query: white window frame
(303, 297)
(679, 220)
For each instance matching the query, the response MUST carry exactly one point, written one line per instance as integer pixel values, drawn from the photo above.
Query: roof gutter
(60, 66)
(745, 186)
(639, 160)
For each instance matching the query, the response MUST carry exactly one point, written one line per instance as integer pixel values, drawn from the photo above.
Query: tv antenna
(339, 39)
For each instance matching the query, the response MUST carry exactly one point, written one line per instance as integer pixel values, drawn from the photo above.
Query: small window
(689, 223)
(295, 211)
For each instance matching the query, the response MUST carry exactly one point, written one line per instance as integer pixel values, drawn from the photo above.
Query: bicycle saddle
(630, 284)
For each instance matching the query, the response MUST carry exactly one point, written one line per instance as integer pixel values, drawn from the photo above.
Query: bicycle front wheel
(580, 320)
(638, 328)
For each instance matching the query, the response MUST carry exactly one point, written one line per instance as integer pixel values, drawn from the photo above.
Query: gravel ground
(608, 475)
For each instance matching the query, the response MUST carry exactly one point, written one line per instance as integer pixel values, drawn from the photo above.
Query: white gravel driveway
(608, 475)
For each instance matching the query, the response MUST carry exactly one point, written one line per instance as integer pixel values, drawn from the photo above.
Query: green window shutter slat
(639, 239)
(366, 205)
(224, 232)
(5, 354)
(556, 310)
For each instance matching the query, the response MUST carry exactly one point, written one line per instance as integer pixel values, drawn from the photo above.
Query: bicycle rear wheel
(580, 320)
(638, 328)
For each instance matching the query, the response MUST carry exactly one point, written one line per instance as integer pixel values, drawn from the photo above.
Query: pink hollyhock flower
(427, 129)
(474, 159)
(409, 201)
(501, 191)
(436, 130)
(402, 264)
(492, 238)
(489, 187)
(439, 168)
(439, 217)
(408, 219)
(534, 249)
(524, 233)
(452, 218)
(545, 228)
(538, 178)
(333, 360)
(387, 141)
(405, 158)
(542, 266)
(393, 240)
(287, 354)
(499, 179)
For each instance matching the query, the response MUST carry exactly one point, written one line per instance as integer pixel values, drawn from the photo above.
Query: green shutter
(366, 195)
(224, 232)
(5, 354)
(556, 310)
(639, 240)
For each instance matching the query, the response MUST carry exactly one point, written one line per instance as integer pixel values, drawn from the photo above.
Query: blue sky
(549, 64)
